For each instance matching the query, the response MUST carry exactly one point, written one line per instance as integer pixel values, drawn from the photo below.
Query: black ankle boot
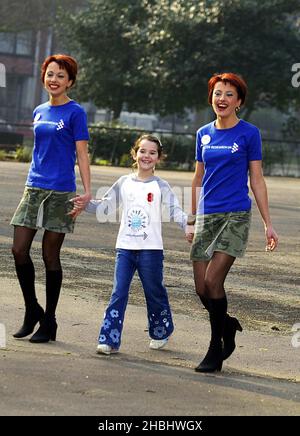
(230, 327)
(32, 316)
(213, 359)
(46, 332)
(214, 356)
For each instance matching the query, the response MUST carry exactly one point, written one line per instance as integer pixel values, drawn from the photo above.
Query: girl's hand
(272, 239)
(189, 233)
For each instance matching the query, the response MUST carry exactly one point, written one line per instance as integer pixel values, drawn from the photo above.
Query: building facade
(21, 54)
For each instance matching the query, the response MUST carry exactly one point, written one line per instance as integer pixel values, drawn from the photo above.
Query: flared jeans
(149, 265)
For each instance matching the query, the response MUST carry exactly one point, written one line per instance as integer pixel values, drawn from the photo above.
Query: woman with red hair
(227, 150)
(60, 135)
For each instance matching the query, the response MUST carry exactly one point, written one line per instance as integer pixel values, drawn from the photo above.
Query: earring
(237, 109)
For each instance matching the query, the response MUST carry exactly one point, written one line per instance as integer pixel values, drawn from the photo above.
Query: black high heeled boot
(33, 311)
(33, 315)
(48, 328)
(46, 331)
(213, 359)
(231, 326)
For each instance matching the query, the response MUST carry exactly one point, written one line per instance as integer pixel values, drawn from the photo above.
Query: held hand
(76, 208)
(75, 212)
(189, 233)
(79, 202)
(272, 239)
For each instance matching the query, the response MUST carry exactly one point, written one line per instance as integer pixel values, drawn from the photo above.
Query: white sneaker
(156, 344)
(105, 349)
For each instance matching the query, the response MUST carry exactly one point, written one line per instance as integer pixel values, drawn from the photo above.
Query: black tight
(210, 276)
(52, 242)
(23, 237)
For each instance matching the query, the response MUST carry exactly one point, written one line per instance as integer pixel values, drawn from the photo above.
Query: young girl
(139, 244)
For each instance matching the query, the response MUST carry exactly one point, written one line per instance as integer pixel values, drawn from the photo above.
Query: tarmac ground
(67, 377)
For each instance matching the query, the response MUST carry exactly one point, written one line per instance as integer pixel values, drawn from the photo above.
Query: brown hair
(237, 81)
(151, 138)
(65, 62)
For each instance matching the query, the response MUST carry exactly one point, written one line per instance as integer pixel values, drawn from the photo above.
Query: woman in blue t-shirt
(227, 149)
(60, 135)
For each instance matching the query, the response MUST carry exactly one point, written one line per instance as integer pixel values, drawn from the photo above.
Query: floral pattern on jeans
(160, 325)
(149, 266)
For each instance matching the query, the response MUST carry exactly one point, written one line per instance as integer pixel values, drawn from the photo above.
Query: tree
(158, 54)
(180, 37)
(265, 45)
(24, 15)
(104, 38)
(259, 40)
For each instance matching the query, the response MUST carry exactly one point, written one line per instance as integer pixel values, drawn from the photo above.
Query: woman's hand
(272, 239)
(82, 200)
(79, 204)
(189, 233)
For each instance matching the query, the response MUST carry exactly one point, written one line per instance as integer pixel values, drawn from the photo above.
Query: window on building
(16, 43)
(24, 43)
(7, 42)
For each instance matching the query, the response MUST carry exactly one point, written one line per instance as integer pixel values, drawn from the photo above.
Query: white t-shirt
(142, 202)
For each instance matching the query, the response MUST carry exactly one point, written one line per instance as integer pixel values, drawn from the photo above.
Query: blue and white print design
(137, 219)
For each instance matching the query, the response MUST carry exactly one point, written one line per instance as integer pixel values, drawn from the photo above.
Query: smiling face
(147, 155)
(56, 80)
(225, 100)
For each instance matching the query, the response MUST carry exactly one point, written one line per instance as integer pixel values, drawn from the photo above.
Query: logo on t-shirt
(60, 125)
(137, 219)
(235, 148)
(205, 140)
(150, 197)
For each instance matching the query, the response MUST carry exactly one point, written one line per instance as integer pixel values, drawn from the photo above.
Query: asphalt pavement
(67, 377)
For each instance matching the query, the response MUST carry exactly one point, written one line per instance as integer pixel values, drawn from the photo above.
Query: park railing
(111, 146)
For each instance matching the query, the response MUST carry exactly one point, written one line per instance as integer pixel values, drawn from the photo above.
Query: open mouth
(222, 106)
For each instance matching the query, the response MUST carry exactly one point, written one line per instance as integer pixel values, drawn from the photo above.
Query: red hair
(65, 62)
(237, 81)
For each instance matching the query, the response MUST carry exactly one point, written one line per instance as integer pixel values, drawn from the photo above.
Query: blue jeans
(149, 264)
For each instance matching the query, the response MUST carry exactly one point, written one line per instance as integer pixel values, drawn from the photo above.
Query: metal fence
(111, 145)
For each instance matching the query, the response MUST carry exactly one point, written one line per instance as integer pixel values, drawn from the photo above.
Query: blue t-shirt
(56, 130)
(226, 154)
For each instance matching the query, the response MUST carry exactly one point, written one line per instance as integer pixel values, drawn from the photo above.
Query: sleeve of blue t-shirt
(79, 125)
(255, 146)
(198, 155)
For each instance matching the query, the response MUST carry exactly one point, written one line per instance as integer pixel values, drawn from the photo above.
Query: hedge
(112, 145)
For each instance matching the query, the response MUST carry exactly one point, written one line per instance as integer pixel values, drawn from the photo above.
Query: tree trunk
(116, 110)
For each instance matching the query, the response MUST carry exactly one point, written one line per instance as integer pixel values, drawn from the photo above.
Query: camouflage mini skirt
(43, 208)
(226, 232)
